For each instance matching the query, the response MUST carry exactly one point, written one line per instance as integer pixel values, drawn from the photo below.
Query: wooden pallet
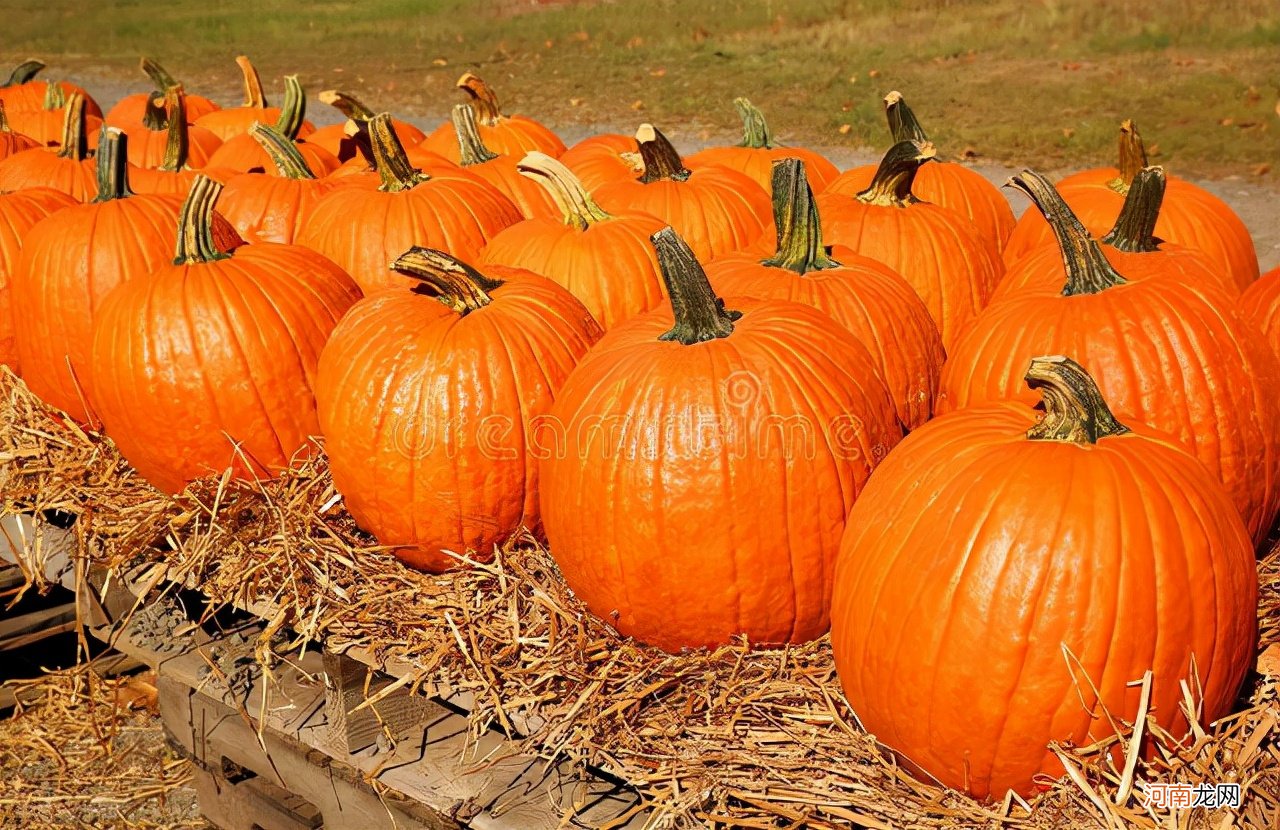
(301, 746)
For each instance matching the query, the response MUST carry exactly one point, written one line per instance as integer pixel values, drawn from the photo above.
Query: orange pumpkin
(233, 121)
(66, 170)
(700, 462)
(23, 92)
(512, 135)
(132, 110)
(602, 159)
(605, 260)
(243, 154)
(865, 296)
(1170, 354)
(500, 171)
(936, 249)
(11, 142)
(207, 363)
(19, 213)
(174, 174)
(344, 146)
(45, 125)
(1005, 582)
(758, 151)
(152, 137)
(1261, 302)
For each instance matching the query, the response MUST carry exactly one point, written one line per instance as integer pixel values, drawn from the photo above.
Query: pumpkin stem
(112, 165)
(1135, 228)
(891, 186)
(483, 98)
(1088, 271)
(661, 161)
(755, 130)
(178, 145)
(346, 104)
(1133, 157)
(795, 216)
(700, 314)
(158, 75)
(195, 224)
(284, 153)
(75, 144)
(451, 281)
(294, 111)
(253, 96)
(24, 72)
(390, 159)
(154, 117)
(4, 120)
(470, 145)
(1074, 409)
(576, 205)
(902, 121)
(55, 97)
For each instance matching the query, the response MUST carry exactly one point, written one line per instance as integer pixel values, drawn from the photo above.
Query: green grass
(1039, 82)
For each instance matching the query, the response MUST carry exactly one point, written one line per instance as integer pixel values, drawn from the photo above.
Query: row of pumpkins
(684, 371)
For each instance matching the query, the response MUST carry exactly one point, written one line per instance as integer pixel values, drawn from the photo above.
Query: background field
(1018, 82)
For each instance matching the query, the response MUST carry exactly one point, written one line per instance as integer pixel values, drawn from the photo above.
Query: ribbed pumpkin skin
(191, 358)
(694, 493)
(1191, 216)
(528, 196)
(1261, 304)
(241, 154)
(715, 210)
(513, 135)
(69, 264)
(11, 143)
(875, 304)
(757, 163)
(1176, 357)
(1042, 269)
(273, 208)
(610, 267)
(230, 122)
(427, 414)
(975, 556)
(147, 147)
(19, 212)
(45, 126)
(603, 159)
(40, 167)
(938, 251)
(952, 186)
(31, 96)
(364, 229)
(129, 111)
(333, 137)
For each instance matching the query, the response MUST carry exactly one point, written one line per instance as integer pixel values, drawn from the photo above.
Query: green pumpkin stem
(1074, 409)
(294, 111)
(1133, 157)
(112, 165)
(154, 116)
(178, 145)
(902, 121)
(755, 130)
(389, 157)
(451, 281)
(346, 104)
(75, 144)
(55, 97)
(1088, 271)
(471, 147)
(284, 153)
(891, 185)
(1135, 227)
(24, 72)
(576, 205)
(795, 216)
(253, 95)
(158, 74)
(661, 161)
(4, 120)
(700, 315)
(483, 98)
(195, 224)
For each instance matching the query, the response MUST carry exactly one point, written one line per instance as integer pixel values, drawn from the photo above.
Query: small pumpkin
(230, 122)
(174, 174)
(151, 139)
(757, 152)
(428, 398)
(22, 91)
(65, 170)
(133, 110)
(207, 363)
(46, 124)
(1005, 580)
(243, 154)
(512, 135)
(602, 159)
(336, 140)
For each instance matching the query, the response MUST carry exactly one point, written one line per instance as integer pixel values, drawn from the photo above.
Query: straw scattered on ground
(734, 736)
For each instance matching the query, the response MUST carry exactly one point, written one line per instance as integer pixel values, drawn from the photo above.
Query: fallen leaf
(846, 106)
(1262, 169)
(1072, 66)
(340, 70)
(845, 129)
(635, 42)
(658, 73)
(874, 73)
(853, 79)
(637, 104)
(139, 692)
(1252, 95)
(439, 62)
(548, 43)
(700, 34)
(1067, 132)
(1227, 122)
(969, 153)
(573, 102)
(581, 36)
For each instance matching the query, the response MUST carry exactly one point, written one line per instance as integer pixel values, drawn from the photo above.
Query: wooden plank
(34, 626)
(353, 723)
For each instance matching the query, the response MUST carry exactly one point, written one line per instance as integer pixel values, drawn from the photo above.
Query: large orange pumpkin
(46, 124)
(64, 170)
(152, 138)
(1261, 302)
(19, 213)
(1173, 355)
(865, 296)
(1005, 583)
(951, 185)
(936, 249)
(368, 224)
(714, 209)
(758, 151)
(208, 362)
(512, 135)
(132, 110)
(428, 398)
(23, 92)
(700, 463)
(605, 260)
